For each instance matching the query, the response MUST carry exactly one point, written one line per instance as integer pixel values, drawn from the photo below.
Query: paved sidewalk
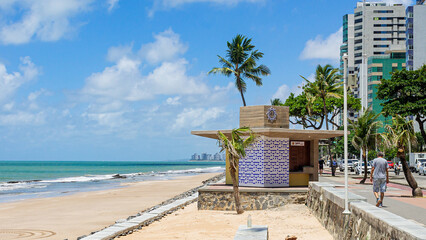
(397, 199)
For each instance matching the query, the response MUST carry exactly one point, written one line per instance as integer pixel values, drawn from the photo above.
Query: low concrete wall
(365, 221)
(251, 199)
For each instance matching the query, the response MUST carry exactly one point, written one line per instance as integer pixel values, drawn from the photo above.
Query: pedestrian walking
(380, 177)
(333, 167)
(321, 166)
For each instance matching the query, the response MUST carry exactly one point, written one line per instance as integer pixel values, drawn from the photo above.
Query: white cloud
(22, 118)
(173, 101)
(404, 2)
(112, 4)
(10, 82)
(119, 52)
(284, 91)
(124, 81)
(45, 20)
(196, 117)
(110, 119)
(34, 95)
(167, 4)
(319, 48)
(167, 46)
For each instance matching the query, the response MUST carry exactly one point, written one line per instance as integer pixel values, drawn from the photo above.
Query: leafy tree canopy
(405, 95)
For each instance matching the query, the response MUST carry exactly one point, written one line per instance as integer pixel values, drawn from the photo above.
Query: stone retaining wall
(253, 200)
(365, 220)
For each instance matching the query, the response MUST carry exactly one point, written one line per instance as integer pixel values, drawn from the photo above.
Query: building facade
(381, 67)
(416, 35)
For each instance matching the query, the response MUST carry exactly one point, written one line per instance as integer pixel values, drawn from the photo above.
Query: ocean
(21, 180)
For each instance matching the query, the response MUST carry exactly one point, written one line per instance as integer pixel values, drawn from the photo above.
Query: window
(358, 20)
(358, 34)
(358, 27)
(358, 41)
(357, 14)
(375, 18)
(379, 69)
(358, 48)
(380, 46)
(358, 61)
(383, 11)
(370, 96)
(382, 32)
(358, 54)
(379, 53)
(394, 69)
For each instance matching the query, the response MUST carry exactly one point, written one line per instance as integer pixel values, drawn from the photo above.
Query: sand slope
(79, 214)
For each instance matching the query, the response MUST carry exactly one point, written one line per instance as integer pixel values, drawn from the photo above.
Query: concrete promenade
(397, 199)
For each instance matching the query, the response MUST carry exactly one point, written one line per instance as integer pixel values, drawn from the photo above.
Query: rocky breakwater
(220, 197)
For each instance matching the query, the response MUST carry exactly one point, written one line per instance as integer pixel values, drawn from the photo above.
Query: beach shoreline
(72, 216)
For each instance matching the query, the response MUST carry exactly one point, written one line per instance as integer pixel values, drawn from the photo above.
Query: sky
(123, 80)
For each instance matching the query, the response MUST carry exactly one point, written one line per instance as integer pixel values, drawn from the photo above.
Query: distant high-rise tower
(416, 35)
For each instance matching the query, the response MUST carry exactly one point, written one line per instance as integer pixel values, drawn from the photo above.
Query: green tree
(235, 146)
(365, 135)
(276, 102)
(405, 94)
(327, 85)
(420, 142)
(241, 61)
(399, 135)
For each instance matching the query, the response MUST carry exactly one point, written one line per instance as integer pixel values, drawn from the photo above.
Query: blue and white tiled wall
(266, 163)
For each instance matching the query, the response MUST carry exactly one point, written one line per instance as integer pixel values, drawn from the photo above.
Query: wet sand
(68, 217)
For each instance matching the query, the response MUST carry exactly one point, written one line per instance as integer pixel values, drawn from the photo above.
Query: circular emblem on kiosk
(271, 114)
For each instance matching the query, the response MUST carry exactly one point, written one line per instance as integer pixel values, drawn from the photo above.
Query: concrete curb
(128, 226)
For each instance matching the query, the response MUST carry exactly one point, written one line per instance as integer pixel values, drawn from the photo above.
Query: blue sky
(127, 80)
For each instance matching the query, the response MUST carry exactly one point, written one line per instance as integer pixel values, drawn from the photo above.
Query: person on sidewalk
(380, 177)
(321, 166)
(333, 167)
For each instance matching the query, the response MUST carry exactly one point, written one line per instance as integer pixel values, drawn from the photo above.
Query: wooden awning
(292, 134)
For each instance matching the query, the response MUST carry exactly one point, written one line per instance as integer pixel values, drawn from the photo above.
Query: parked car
(419, 162)
(391, 164)
(360, 168)
(350, 165)
(422, 168)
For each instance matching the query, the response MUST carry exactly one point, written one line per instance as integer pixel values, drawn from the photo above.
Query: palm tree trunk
(364, 159)
(422, 128)
(242, 96)
(416, 191)
(324, 111)
(236, 192)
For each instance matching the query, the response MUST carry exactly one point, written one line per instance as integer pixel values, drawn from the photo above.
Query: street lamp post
(345, 127)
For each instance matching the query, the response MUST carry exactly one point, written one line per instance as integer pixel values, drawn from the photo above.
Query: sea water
(35, 179)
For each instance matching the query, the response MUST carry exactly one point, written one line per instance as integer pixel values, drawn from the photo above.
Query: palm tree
(365, 135)
(276, 102)
(327, 84)
(399, 135)
(235, 149)
(241, 62)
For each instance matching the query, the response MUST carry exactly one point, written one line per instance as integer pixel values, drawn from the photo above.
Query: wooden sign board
(264, 116)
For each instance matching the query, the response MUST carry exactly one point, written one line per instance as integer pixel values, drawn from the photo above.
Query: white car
(359, 169)
(422, 168)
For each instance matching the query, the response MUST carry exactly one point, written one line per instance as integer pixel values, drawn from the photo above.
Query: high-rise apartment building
(416, 35)
(381, 67)
(374, 29)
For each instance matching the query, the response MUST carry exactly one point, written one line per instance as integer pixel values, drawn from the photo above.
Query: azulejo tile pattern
(266, 163)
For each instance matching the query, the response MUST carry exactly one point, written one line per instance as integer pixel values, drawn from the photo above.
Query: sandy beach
(189, 223)
(69, 217)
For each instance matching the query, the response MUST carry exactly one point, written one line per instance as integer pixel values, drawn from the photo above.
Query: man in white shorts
(380, 177)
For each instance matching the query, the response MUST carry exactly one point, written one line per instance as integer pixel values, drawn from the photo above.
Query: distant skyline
(127, 80)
